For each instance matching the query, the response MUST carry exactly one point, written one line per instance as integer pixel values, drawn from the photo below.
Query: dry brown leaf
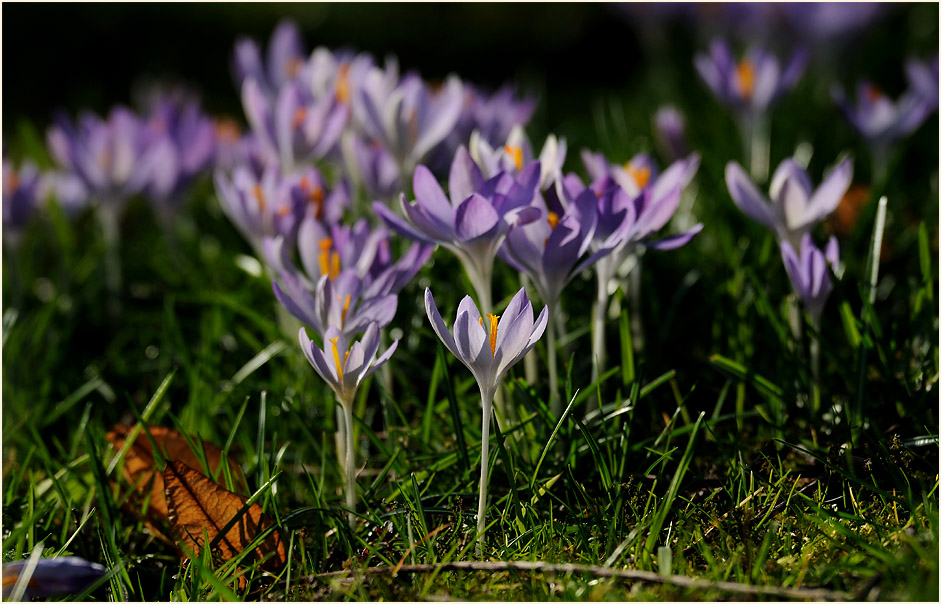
(199, 508)
(139, 467)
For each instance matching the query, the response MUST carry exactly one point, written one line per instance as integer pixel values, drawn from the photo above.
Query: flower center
(293, 67)
(315, 196)
(300, 114)
(553, 220)
(516, 154)
(746, 77)
(329, 260)
(346, 307)
(640, 175)
(493, 332)
(343, 83)
(227, 130)
(11, 183)
(259, 197)
(873, 93)
(336, 358)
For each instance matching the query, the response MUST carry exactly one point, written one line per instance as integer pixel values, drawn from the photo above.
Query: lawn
(735, 413)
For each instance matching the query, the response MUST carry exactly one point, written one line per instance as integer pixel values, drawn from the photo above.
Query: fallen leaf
(140, 469)
(847, 213)
(200, 509)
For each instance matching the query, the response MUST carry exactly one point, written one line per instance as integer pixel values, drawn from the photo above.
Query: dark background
(74, 56)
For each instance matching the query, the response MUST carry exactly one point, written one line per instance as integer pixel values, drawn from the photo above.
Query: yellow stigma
(329, 260)
(553, 220)
(516, 154)
(493, 332)
(259, 196)
(346, 307)
(746, 76)
(640, 175)
(343, 83)
(336, 358)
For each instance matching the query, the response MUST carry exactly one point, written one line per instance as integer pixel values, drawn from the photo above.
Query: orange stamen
(553, 220)
(300, 114)
(873, 93)
(329, 260)
(259, 196)
(283, 211)
(346, 307)
(516, 154)
(293, 66)
(640, 175)
(336, 358)
(343, 83)
(227, 130)
(746, 77)
(493, 332)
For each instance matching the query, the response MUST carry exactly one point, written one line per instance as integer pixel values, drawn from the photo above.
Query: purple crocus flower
(795, 206)
(923, 79)
(344, 368)
(51, 577)
(374, 167)
(294, 127)
(182, 144)
(488, 345)
(339, 74)
(517, 152)
(409, 119)
(106, 154)
(670, 132)
(750, 86)
(67, 189)
(285, 61)
(21, 195)
(474, 221)
(808, 273)
(262, 205)
(878, 119)
(349, 279)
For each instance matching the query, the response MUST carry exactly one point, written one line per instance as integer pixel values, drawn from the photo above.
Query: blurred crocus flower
(338, 74)
(795, 206)
(670, 132)
(348, 278)
(749, 86)
(182, 142)
(67, 189)
(474, 221)
(633, 176)
(488, 345)
(286, 59)
(923, 79)
(265, 205)
(408, 119)
(293, 127)
(517, 152)
(880, 120)
(107, 155)
(344, 368)
(374, 168)
(51, 577)
(807, 270)
(21, 196)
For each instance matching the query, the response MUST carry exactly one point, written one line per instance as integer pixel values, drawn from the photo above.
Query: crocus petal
(674, 241)
(441, 121)
(470, 337)
(465, 177)
(512, 339)
(400, 226)
(474, 218)
(828, 195)
(317, 360)
(381, 360)
(790, 170)
(746, 196)
(438, 324)
(430, 196)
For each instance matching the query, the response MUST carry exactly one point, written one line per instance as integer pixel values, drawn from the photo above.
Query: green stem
(486, 402)
(597, 326)
(350, 464)
(555, 402)
(109, 217)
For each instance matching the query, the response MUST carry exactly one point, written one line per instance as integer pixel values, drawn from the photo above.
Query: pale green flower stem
(349, 461)
(755, 136)
(597, 324)
(555, 401)
(486, 403)
(109, 217)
